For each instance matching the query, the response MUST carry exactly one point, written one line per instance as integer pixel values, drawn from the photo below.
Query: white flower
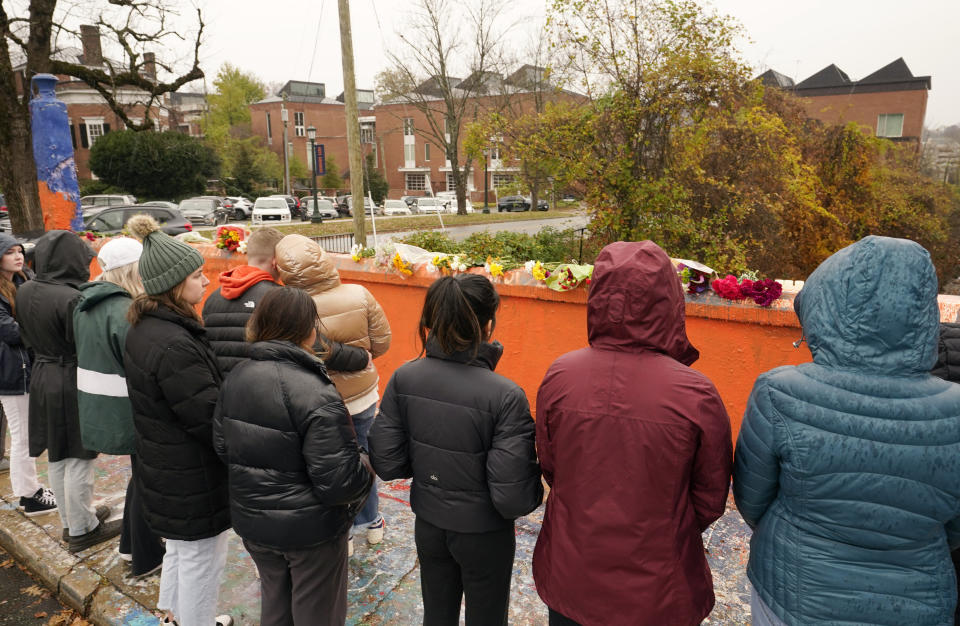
(242, 248)
(529, 265)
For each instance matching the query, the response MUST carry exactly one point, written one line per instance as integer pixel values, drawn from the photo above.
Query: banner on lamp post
(319, 160)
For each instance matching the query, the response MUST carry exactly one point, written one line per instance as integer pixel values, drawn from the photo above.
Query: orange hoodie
(234, 283)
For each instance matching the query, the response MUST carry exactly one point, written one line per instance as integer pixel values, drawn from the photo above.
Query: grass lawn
(416, 222)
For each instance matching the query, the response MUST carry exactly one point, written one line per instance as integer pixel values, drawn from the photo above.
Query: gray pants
(761, 613)
(302, 587)
(72, 483)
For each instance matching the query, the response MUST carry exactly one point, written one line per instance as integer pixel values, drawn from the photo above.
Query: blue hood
(872, 307)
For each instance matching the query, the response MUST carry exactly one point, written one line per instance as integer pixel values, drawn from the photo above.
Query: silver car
(325, 207)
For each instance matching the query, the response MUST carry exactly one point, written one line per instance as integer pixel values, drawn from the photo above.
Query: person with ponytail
(173, 382)
(15, 365)
(106, 420)
(466, 437)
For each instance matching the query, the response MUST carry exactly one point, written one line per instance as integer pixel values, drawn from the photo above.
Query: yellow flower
(400, 266)
(495, 269)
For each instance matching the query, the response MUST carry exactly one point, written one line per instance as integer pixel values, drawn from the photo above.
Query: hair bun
(140, 226)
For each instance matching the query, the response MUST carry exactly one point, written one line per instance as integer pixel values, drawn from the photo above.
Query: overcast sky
(275, 40)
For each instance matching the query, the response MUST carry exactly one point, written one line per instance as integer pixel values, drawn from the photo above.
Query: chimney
(150, 66)
(90, 38)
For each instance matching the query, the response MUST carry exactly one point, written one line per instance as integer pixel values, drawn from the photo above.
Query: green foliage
(95, 186)
(228, 105)
(374, 182)
(549, 245)
(432, 240)
(154, 165)
(331, 179)
(298, 169)
(249, 164)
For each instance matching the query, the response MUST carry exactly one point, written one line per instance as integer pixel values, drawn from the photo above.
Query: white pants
(23, 468)
(190, 579)
(72, 483)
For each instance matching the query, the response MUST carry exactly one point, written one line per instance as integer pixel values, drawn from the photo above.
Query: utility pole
(284, 116)
(353, 125)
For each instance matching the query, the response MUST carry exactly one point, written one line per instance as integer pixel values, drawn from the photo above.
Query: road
(529, 227)
(22, 599)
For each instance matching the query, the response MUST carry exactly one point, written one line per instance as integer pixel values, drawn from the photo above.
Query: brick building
(307, 105)
(890, 102)
(89, 115)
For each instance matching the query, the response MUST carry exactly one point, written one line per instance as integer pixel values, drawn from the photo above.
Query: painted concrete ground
(384, 586)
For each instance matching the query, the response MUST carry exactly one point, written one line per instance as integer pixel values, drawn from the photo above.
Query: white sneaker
(224, 620)
(375, 531)
(349, 547)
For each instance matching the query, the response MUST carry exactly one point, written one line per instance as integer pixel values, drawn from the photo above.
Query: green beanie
(165, 262)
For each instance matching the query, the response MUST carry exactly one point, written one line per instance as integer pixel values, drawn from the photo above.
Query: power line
(316, 40)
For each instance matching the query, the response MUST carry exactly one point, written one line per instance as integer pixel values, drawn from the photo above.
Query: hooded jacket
(349, 313)
(228, 309)
(465, 436)
(848, 468)
(296, 476)
(100, 328)
(45, 314)
(173, 380)
(636, 447)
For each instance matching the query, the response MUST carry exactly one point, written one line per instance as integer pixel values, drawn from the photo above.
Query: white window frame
(408, 128)
(415, 181)
(410, 155)
(500, 179)
(883, 121)
(298, 126)
(91, 123)
(426, 152)
(367, 133)
(451, 183)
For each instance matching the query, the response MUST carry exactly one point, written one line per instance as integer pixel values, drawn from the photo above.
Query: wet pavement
(384, 584)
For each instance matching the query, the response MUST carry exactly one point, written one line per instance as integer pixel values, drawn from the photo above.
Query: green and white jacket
(100, 327)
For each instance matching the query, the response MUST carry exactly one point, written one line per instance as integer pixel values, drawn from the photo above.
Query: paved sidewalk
(384, 585)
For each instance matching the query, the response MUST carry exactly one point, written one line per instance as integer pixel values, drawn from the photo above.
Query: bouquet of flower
(694, 276)
(229, 238)
(400, 265)
(89, 235)
(358, 252)
(448, 264)
(493, 267)
(569, 276)
(762, 292)
(536, 269)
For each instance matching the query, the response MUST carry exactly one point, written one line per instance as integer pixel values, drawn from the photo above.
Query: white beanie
(119, 252)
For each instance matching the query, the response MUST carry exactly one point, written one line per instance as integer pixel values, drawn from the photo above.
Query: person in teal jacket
(848, 468)
(106, 417)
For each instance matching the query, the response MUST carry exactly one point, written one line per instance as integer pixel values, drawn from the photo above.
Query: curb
(73, 581)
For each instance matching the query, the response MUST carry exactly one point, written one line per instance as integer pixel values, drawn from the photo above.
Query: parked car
(113, 220)
(396, 207)
(161, 203)
(239, 207)
(324, 205)
(292, 203)
(368, 205)
(542, 205)
(450, 197)
(341, 204)
(271, 208)
(3, 207)
(410, 200)
(105, 200)
(513, 203)
(430, 205)
(204, 211)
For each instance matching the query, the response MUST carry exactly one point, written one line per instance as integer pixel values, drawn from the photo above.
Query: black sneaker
(103, 512)
(103, 532)
(39, 503)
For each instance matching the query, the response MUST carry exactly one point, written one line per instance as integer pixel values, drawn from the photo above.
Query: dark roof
(895, 72)
(304, 91)
(431, 86)
(830, 76)
(365, 98)
(773, 78)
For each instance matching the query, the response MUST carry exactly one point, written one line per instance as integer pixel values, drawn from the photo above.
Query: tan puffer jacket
(349, 313)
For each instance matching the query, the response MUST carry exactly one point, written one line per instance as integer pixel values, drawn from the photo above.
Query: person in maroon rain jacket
(637, 450)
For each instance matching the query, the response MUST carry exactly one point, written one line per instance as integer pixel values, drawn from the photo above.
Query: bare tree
(421, 74)
(133, 24)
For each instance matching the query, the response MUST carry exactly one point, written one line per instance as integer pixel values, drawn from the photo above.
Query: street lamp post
(316, 218)
(486, 178)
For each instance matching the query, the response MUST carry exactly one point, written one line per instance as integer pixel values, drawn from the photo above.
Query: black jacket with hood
(464, 434)
(45, 314)
(15, 358)
(173, 380)
(296, 475)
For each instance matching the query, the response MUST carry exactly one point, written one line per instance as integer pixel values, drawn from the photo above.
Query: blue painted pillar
(53, 153)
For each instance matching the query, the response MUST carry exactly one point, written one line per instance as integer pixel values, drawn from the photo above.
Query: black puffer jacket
(15, 359)
(296, 475)
(948, 355)
(466, 437)
(45, 314)
(173, 380)
(226, 323)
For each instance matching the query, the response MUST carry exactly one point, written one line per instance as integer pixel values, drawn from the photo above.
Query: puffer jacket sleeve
(756, 469)
(9, 328)
(219, 441)
(378, 327)
(388, 438)
(713, 464)
(544, 446)
(332, 456)
(948, 353)
(344, 358)
(189, 388)
(513, 474)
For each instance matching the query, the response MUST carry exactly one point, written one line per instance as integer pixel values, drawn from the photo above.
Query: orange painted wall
(737, 342)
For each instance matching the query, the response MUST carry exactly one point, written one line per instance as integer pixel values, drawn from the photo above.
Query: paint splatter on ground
(384, 582)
